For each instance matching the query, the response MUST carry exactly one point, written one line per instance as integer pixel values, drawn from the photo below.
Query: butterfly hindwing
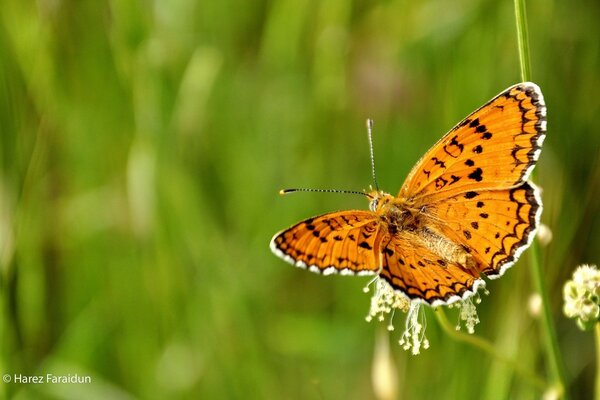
(345, 242)
(496, 226)
(411, 266)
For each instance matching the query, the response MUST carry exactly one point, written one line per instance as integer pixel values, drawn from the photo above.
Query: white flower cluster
(582, 296)
(467, 315)
(386, 300)
(414, 330)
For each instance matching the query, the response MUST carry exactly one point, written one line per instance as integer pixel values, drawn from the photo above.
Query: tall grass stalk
(523, 40)
(552, 350)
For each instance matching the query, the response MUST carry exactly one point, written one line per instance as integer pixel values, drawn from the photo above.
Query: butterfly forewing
(493, 148)
(345, 242)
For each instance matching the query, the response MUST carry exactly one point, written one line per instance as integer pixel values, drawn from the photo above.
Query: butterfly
(465, 211)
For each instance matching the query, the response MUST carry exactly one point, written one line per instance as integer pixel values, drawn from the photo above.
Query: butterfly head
(397, 214)
(379, 200)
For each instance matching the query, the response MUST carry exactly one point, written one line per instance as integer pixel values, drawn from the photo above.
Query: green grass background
(142, 148)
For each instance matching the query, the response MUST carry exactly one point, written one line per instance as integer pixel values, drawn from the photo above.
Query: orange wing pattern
(496, 147)
(345, 242)
(414, 268)
(465, 210)
(494, 226)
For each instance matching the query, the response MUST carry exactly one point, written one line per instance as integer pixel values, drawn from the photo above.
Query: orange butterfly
(465, 210)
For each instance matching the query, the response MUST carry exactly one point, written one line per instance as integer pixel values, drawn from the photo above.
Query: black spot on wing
(454, 148)
(440, 183)
(454, 179)
(476, 175)
(438, 162)
(365, 245)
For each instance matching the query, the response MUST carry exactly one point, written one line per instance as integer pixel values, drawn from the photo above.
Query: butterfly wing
(495, 226)
(478, 212)
(417, 268)
(345, 242)
(471, 186)
(497, 146)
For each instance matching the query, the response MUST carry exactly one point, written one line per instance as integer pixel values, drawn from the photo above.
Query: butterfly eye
(373, 204)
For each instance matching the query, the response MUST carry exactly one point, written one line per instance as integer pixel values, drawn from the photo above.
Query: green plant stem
(523, 40)
(552, 350)
(488, 347)
(597, 336)
(551, 342)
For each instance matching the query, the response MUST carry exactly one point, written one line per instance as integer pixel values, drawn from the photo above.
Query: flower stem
(488, 347)
(523, 40)
(552, 350)
(551, 342)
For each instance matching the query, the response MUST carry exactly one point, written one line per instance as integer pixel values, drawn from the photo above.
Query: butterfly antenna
(288, 191)
(370, 132)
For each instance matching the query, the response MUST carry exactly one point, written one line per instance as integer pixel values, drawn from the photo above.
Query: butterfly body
(466, 210)
(395, 214)
(400, 218)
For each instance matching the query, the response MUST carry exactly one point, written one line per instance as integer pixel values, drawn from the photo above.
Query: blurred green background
(142, 148)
